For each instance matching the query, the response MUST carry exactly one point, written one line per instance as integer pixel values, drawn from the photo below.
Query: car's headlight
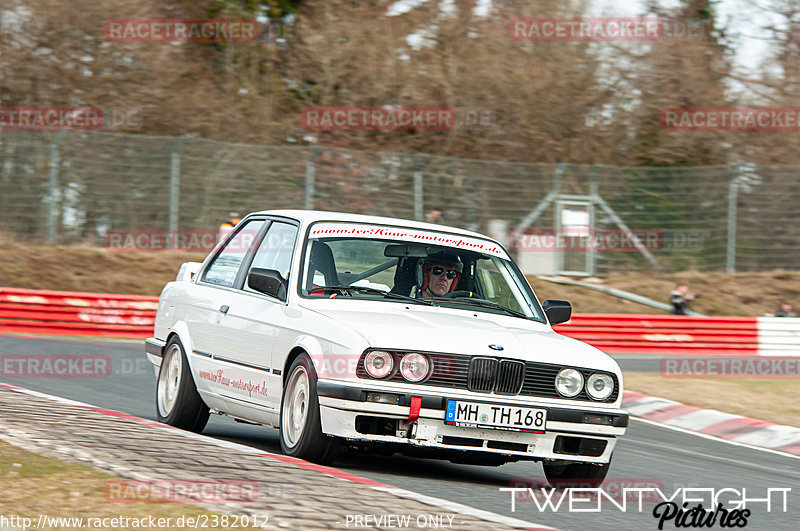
(414, 367)
(569, 382)
(599, 386)
(379, 364)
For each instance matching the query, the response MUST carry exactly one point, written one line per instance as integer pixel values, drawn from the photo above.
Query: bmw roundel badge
(495, 347)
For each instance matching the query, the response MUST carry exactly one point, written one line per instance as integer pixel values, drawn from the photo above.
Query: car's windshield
(352, 261)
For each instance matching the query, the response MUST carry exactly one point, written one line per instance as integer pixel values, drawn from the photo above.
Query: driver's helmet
(447, 261)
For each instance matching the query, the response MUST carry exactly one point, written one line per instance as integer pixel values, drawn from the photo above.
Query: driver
(440, 274)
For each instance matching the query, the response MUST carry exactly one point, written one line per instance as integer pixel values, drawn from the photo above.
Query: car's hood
(440, 329)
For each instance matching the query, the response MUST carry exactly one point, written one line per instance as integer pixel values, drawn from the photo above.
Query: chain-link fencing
(71, 187)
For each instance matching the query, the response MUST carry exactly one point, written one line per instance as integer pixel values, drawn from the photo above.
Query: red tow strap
(413, 413)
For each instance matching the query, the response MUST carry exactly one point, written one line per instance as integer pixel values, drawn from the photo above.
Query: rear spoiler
(187, 271)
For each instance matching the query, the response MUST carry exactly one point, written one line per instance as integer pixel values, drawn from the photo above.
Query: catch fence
(71, 187)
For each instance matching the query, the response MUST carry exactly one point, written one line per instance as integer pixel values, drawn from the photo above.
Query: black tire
(300, 427)
(177, 401)
(575, 475)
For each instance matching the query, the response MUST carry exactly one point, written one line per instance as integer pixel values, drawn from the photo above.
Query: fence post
(310, 170)
(733, 189)
(418, 195)
(52, 184)
(175, 184)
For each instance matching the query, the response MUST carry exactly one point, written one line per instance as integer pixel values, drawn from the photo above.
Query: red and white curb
(320, 469)
(735, 428)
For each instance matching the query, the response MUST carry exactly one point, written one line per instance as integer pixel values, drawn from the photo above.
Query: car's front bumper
(576, 433)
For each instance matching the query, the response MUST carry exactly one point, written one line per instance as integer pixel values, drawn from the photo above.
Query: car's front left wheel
(177, 401)
(300, 427)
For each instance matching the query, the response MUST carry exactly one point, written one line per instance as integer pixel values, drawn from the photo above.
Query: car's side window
(495, 288)
(225, 266)
(275, 251)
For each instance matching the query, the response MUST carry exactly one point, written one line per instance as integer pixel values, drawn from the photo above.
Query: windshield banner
(354, 230)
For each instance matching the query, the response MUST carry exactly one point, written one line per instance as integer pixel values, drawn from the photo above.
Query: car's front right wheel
(300, 426)
(575, 475)
(177, 401)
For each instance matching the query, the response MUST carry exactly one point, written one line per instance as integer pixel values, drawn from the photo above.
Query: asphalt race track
(649, 455)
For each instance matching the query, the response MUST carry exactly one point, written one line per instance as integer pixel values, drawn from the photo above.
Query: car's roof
(309, 216)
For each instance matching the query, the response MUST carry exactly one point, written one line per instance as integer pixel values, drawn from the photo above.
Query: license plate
(492, 416)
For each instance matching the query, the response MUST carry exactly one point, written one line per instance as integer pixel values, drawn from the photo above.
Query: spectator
(227, 226)
(785, 310)
(434, 216)
(680, 299)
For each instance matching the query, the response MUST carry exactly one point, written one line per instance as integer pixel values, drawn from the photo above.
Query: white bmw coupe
(385, 335)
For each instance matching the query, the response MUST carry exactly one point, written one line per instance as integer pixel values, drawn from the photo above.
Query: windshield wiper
(483, 303)
(387, 294)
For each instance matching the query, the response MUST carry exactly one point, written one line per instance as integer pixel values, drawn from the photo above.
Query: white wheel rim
(169, 380)
(295, 407)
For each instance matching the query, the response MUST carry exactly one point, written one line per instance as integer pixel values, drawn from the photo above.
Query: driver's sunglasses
(451, 274)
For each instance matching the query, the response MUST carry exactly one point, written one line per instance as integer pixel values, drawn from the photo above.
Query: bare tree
(545, 94)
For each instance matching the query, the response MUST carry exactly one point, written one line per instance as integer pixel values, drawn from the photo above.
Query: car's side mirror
(557, 311)
(267, 281)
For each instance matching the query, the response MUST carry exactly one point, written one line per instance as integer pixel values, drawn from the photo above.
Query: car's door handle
(224, 309)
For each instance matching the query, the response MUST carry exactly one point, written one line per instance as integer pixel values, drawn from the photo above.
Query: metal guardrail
(76, 313)
(133, 316)
(665, 334)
